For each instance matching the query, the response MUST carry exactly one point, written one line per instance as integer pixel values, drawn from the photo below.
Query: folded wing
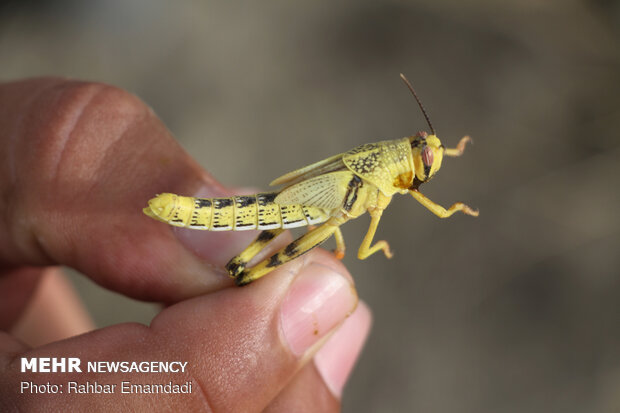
(326, 191)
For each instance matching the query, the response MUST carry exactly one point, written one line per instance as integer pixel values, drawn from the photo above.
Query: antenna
(430, 125)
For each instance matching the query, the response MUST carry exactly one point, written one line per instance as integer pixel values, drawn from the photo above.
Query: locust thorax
(427, 152)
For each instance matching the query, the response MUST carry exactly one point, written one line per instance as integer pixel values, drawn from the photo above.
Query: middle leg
(340, 248)
(366, 250)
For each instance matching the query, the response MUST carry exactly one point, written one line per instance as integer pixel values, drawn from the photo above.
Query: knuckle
(73, 124)
(67, 133)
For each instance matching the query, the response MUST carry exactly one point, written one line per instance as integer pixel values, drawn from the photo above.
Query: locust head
(427, 152)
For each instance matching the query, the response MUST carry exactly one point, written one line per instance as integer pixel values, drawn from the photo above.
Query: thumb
(241, 346)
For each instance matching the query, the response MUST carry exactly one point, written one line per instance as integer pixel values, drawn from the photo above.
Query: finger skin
(78, 161)
(231, 339)
(16, 288)
(306, 393)
(55, 311)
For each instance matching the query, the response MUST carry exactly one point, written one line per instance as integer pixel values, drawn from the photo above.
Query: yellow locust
(323, 195)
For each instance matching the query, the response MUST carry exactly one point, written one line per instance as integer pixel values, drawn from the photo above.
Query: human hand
(77, 163)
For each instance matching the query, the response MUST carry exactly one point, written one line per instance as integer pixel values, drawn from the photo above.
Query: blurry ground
(516, 311)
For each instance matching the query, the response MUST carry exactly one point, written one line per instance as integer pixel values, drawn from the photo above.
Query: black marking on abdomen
(203, 203)
(222, 202)
(264, 199)
(240, 225)
(244, 201)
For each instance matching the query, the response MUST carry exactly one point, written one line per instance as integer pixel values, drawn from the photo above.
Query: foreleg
(440, 211)
(460, 148)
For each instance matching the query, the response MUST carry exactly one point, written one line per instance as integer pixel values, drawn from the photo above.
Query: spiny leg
(460, 148)
(440, 211)
(366, 250)
(296, 248)
(237, 264)
(340, 247)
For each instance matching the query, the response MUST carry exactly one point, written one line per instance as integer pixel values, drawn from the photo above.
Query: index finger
(78, 161)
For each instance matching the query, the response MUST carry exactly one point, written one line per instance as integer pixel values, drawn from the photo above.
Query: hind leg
(237, 264)
(293, 250)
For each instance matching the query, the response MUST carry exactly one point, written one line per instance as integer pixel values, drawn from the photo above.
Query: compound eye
(427, 156)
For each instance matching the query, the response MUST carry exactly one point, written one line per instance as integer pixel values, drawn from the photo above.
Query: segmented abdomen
(237, 213)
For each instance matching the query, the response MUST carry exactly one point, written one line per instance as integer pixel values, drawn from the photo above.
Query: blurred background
(515, 311)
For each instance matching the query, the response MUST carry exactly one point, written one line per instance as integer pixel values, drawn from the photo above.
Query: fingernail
(318, 300)
(215, 247)
(336, 359)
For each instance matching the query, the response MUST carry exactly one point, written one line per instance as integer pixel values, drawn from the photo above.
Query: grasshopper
(324, 196)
